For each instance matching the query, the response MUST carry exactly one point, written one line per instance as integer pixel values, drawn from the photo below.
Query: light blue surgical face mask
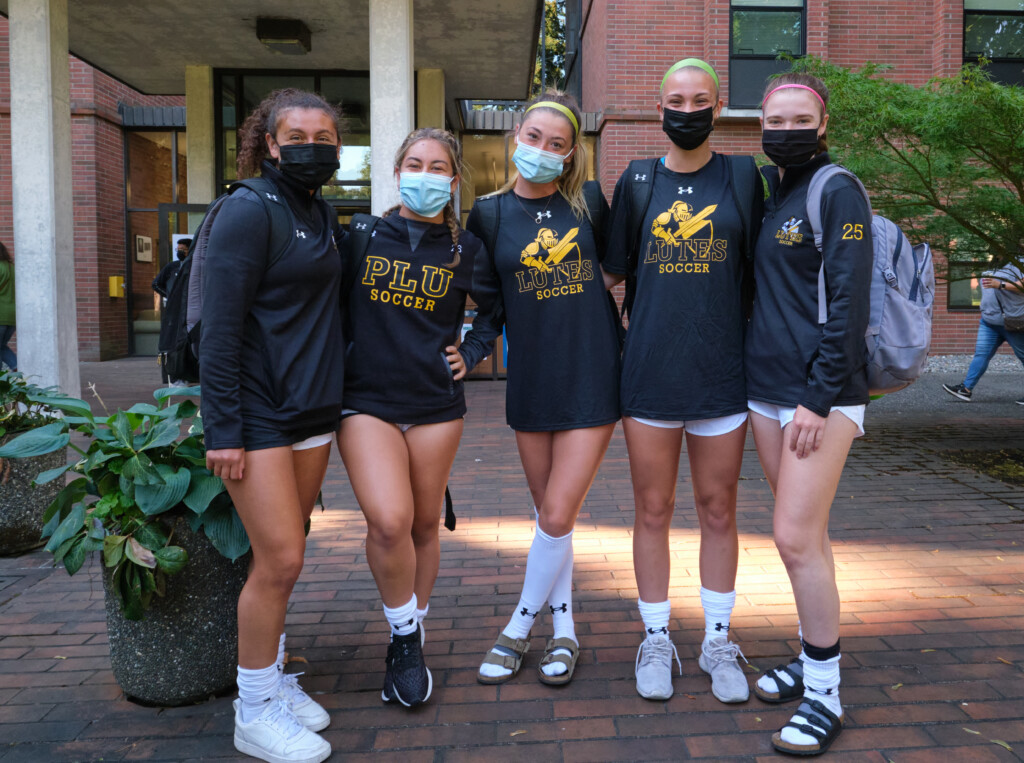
(425, 193)
(537, 165)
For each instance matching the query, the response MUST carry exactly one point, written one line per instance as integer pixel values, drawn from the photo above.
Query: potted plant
(24, 407)
(171, 543)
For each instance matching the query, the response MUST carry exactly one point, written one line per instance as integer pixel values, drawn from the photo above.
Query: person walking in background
(1002, 320)
(165, 278)
(7, 308)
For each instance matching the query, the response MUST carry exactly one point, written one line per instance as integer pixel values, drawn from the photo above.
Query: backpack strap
(640, 177)
(814, 194)
(280, 217)
(488, 210)
(361, 231)
(748, 195)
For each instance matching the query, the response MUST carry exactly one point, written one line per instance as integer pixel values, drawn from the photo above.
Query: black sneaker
(406, 678)
(958, 390)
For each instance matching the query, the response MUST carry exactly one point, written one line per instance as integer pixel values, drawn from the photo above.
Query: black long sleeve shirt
(791, 359)
(271, 348)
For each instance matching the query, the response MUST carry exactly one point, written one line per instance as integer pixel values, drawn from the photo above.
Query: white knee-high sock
(655, 615)
(402, 619)
(255, 689)
(821, 683)
(280, 653)
(543, 564)
(560, 605)
(421, 613)
(717, 612)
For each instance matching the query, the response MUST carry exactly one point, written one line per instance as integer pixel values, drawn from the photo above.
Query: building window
(994, 29)
(237, 93)
(964, 291)
(760, 31)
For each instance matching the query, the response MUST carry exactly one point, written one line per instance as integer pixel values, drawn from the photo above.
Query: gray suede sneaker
(718, 659)
(654, 667)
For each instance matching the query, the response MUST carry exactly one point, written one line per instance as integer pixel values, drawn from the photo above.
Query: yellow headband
(689, 62)
(557, 107)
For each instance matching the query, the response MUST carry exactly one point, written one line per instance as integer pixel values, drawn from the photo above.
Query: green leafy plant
(137, 469)
(23, 405)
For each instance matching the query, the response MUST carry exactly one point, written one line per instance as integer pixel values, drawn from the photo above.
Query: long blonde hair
(570, 182)
(454, 149)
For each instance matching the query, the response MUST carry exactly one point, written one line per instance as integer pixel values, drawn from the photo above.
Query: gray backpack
(902, 290)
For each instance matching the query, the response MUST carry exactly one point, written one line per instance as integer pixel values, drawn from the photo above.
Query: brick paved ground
(931, 571)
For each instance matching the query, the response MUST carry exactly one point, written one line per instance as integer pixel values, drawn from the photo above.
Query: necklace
(538, 217)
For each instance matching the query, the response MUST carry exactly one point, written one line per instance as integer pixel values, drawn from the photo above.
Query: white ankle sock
(717, 612)
(546, 558)
(560, 606)
(402, 619)
(821, 683)
(655, 616)
(255, 689)
(422, 613)
(280, 653)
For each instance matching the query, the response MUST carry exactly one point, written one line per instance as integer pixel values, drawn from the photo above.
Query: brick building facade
(620, 49)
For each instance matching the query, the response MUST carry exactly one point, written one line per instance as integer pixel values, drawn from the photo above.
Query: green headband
(689, 62)
(557, 107)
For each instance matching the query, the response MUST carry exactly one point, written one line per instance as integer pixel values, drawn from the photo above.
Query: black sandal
(813, 712)
(786, 693)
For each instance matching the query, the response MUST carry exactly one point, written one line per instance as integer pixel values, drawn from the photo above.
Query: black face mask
(309, 164)
(789, 147)
(688, 129)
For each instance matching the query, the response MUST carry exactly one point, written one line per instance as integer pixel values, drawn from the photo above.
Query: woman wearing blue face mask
(544, 234)
(403, 399)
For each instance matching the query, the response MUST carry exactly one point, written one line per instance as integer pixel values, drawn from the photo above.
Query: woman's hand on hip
(226, 463)
(806, 431)
(455, 361)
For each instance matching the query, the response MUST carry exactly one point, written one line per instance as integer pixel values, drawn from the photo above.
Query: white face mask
(536, 164)
(425, 193)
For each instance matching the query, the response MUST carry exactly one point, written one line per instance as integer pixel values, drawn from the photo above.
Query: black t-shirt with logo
(563, 347)
(683, 357)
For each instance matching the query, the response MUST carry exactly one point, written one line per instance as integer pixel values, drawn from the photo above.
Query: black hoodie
(405, 307)
(270, 355)
(791, 359)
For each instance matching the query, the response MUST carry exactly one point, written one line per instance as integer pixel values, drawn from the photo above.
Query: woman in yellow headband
(543, 231)
(682, 227)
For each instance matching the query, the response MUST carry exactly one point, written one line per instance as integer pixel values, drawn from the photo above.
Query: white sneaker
(654, 667)
(277, 736)
(305, 709)
(718, 659)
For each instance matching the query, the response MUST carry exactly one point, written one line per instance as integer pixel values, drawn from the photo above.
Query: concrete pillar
(202, 138)
(42, 202)
(391, 94)
(430, 98)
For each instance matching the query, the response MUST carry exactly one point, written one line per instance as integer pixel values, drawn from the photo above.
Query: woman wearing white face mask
(544, 238)
(403, 399)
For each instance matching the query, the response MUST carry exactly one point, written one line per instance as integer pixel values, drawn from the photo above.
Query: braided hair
(454, 149)
(265, 118)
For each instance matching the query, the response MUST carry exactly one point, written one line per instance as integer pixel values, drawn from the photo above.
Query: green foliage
(136, 468)
(944, 161)
(25, 406)
(549, 70)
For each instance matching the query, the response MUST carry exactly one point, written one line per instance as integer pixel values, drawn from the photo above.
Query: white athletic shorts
(854, 413)
(700, 427)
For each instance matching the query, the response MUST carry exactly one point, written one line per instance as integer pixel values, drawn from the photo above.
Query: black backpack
(181, 324)
(749, 190)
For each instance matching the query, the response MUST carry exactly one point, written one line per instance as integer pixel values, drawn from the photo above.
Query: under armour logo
(300, 234)
(823, 692)
(721, 627)
(542, 215)
(527, 613)
(272, 197)
(360, 226)
(658, 630)
(563, 608)
(639, 177)
(688, 189)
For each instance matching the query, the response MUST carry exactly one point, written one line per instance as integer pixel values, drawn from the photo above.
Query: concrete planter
(186, 646)
(21, 504)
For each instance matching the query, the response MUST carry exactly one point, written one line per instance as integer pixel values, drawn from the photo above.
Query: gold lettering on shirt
(555, 267)
(683, 235)
(402, 289)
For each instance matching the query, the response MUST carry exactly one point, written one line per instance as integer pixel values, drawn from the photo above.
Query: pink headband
(802, 87)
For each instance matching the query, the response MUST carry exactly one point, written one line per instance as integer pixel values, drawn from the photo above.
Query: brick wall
(628, 45)
(97, 151)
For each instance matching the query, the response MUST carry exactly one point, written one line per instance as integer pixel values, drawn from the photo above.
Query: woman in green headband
(680, 234)
(543, 232)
